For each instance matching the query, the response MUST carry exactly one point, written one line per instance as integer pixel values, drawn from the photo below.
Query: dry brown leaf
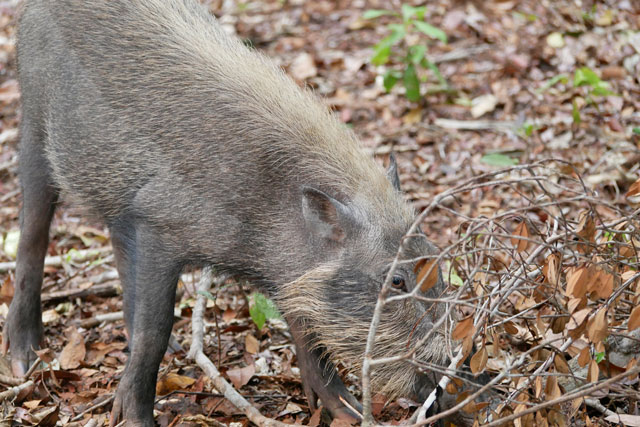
(31, 404)
(413, 116)
(172, 382)
(632, 364)
(339, 422)
(578, 318)
(98, 350)
(633, 195)
(303, 67)
(561, 364)
(593, 372)
(627, 275)
(576, 304)
(519, 237)
(427, 274)
(73, 353)
(541, 421)
(378, 401)
(538, 386)
(463, 329)
(7, 290)
(597, 327)
(559, 323)
(584, 357)
(46, 355)
(314, 421)
(48, 416)
(577, 281)
(604, 287)
(624, 419)
(634, 319)
(229, 315)
(467, 346)
(551, 269)
(551, 389)
(241, 376)
(251, 344)
(587, 231)
(510, 328)
(479, 360)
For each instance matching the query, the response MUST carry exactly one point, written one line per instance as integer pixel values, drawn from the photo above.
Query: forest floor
(553, 84)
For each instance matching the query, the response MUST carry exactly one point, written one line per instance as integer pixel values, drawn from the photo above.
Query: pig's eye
(398, 283)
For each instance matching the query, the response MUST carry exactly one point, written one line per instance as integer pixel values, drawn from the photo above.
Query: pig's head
(355, 242)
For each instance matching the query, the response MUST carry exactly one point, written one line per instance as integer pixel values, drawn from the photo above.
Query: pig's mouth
(323, 332)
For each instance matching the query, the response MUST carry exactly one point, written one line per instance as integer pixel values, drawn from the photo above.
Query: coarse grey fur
(195, 149)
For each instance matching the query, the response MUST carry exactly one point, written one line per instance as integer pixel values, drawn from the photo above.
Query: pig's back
(141, 93)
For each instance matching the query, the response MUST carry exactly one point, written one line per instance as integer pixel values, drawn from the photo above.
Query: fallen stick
(9, 195)
(99, 318)
(14, 391)
(508, 127)
(106, 290)
(7, 379)
(442, 385)
(58, 260)
(458, 54)
(196, 353)
(93, 408)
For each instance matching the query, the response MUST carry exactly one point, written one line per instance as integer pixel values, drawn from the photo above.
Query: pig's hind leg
(149, 274)
(23, 330)
(123, 234)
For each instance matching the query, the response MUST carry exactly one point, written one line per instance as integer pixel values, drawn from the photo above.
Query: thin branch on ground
(196, 353)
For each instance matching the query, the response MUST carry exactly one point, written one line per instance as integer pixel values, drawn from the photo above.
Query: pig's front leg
(154, 274)
(320, 379)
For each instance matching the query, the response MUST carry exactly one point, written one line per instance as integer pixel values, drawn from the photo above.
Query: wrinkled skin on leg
(150, 275)
(23, 330)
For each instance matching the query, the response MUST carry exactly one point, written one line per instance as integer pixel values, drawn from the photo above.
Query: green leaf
(69, 256)
(552, 82)
(409, 12)
(575, 112)
(411, 83)
(376, 13)
(585, 76)
(636, 131)
(262, 309)
(390, 79)
(431, 31)
(452, 275)
(526, 16)
(499, 160)
(526, 129)
(436, 71)
(416, 53)
(380, 55)
(600, 357)
(397, 33)
(602, 89)
(382, 50)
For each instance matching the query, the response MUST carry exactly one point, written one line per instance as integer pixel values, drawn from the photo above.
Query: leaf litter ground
(512, 65)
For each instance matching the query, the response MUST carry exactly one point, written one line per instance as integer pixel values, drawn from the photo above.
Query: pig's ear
(392, 172)
(325, 217)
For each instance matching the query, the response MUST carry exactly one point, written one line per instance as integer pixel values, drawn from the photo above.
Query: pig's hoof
(123, 410)
(20, 341)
